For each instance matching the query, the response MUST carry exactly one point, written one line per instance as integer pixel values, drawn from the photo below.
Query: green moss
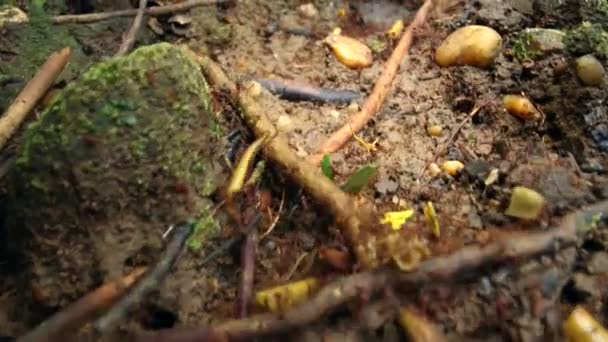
(523, 49)
(594, 11)
(587, 38)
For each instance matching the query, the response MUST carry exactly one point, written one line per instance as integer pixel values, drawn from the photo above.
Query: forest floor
(560, 157)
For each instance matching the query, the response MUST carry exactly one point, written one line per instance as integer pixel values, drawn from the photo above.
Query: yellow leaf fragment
(283, 297)
(349, 51)
(395, 30)
(582, 327)
(397, 218)
(492, 177)
(237, 181)
(525, 203)
(418, 328)
(431, 218)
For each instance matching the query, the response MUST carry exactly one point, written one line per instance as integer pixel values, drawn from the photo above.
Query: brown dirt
(521, 301)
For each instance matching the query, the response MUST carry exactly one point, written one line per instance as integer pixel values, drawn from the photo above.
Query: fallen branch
(71, 319)
(147, 283)
(248, 256)
(152, 11)
(444, 147)
(349, 215)
(32, 93)
(295, 91)
(381, 88)
(513, 246)
(129, 40)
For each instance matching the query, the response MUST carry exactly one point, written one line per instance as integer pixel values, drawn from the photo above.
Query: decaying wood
(152, 11)
(381, 89)
(71, 319)
(448, 267)
(32, 93)
(129, 40)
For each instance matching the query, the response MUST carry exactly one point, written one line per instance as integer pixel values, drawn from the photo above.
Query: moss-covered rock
(588, 38)
(121, 153)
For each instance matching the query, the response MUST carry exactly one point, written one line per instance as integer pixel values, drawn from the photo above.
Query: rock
(121, 153)
(308, 10)
(598, 263)
(590, 70)
(284, 124)
(545, 40)
(10, 14)
(586, 284)
(385, 185)
(478, 169)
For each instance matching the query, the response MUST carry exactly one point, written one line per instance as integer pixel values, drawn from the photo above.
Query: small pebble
(334, 113)
(434, 170)
(435, 131)
(353, 107)
(254, 89)
(284, 123)
(308, 10)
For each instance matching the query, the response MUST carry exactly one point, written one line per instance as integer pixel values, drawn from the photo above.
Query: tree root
(75, 316)
(152, 11)
(381, 88)
(442, 268)
(34, 90)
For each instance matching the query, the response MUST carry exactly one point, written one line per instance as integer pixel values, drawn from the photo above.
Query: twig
(276, 219)
(444, 147)
(72, 318)
(248, 256)
(514, 246)
(381, 88)
(146, 284)
(152, 11)
(34, 90)
(129, 40)
(295, 91)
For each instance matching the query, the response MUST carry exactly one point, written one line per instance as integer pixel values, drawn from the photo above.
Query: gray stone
(545, 40)
(598, 263)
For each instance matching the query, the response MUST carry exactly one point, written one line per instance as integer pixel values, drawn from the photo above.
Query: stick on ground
(148, 282)
(381, 88)
(517, 245)
(71, 319)
(32, 93)
(129, 40)
(152, 11)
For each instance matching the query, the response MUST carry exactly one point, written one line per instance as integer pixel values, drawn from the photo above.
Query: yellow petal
(395, 31)
(582, 327)
(283, 297)
(431, 218)
(525, 203)
(397, 218)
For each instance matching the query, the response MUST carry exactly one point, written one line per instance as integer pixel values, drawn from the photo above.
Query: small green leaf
(326, 167)
(357, 181)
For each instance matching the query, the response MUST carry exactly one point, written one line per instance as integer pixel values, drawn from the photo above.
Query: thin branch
(129, 40)
(508, 247)
(276, 219)
(32, 93)
(248, 256)
(71, 319)
(152, 11)
(381, 88)
(444, 147)
(147, 283)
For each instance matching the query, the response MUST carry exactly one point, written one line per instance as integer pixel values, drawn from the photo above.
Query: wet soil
(560, 157)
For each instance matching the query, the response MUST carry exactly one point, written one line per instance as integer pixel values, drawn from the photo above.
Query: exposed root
(248, 257)
(381, 88)
(32, 93)
(152, 11)
(442, 268)
(148, 283)
(129, 40)
(71, 319)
